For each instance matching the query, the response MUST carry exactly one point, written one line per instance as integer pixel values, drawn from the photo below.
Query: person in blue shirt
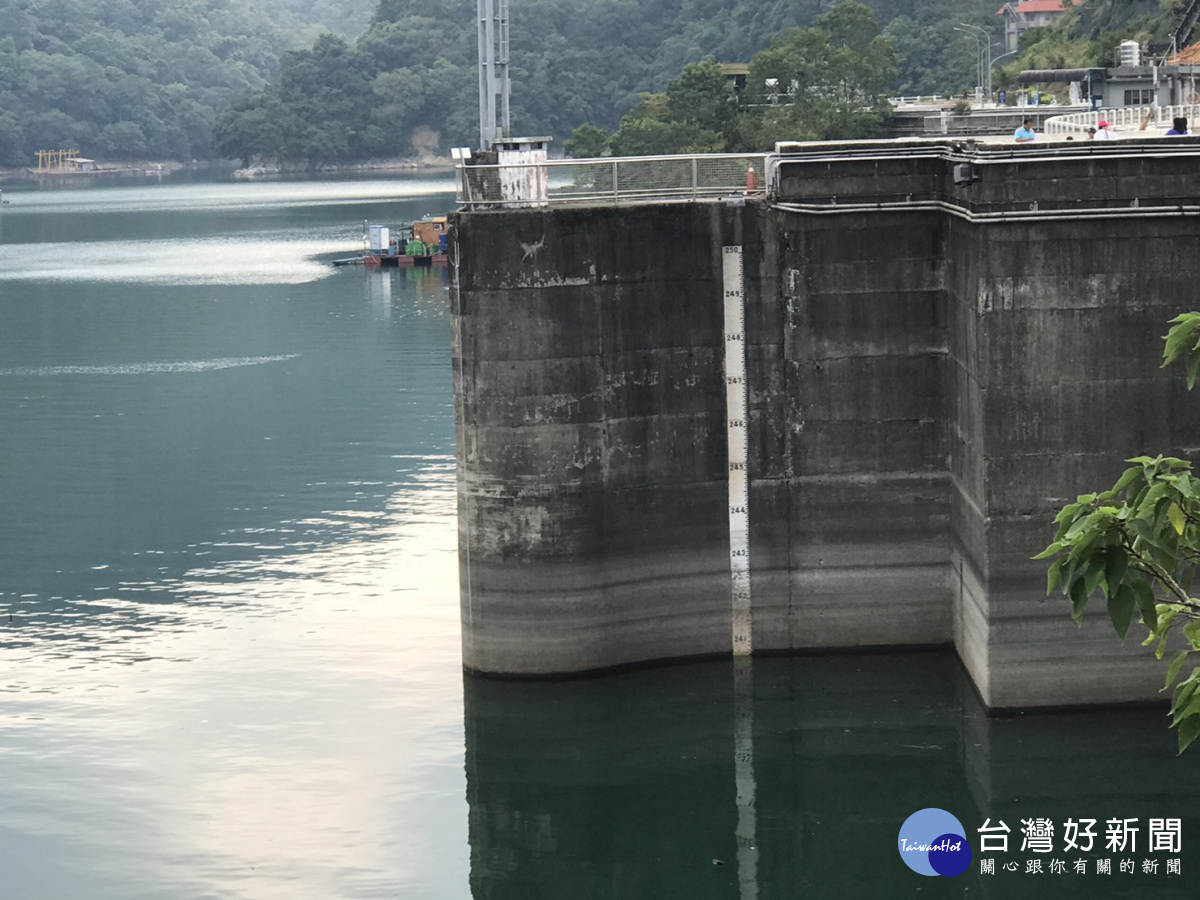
(1179, 126)
(1025, 133)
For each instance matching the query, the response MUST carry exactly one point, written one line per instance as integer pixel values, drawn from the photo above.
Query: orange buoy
(751, 180)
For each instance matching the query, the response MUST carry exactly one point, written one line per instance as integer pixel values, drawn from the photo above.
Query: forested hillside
(126, 78)
(573, 61)
(151, 78)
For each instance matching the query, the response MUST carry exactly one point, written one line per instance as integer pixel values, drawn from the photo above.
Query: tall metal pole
(978, 57)
(985, 50)
(502, 67)
(493, 72)
(996, 59)
(487, 92)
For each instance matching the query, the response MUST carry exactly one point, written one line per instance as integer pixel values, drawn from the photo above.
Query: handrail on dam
(1128, 118)
(617, 180)
(630, 180)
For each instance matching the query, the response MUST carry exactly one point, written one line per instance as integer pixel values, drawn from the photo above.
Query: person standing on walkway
(1025, 133)
(1104, 132)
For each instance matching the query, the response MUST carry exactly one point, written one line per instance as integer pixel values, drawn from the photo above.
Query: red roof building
(1021, 16)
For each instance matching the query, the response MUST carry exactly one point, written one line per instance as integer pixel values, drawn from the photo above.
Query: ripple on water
(150, 368)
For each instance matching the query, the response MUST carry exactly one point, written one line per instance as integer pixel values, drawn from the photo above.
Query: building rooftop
(1037, 6)
(1189, 56)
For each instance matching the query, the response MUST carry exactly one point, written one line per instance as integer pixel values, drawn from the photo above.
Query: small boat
(421, 244)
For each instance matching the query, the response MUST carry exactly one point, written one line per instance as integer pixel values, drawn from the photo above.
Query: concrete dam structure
(841, 413)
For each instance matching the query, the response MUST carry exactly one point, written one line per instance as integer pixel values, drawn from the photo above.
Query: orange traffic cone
(751, 180)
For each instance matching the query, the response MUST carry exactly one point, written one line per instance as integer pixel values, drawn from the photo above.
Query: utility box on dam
(931, 369)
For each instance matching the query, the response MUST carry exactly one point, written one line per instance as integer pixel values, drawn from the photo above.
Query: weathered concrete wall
(850, 495)
(591, 443)
(933, 369)
(1055, 350)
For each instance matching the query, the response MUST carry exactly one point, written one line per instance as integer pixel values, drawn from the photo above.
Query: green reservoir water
(229, 637)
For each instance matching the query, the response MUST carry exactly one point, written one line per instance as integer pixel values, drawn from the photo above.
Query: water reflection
(308, 746)
(175, 194)
(425, 287)
(623, 787)
(229, 648)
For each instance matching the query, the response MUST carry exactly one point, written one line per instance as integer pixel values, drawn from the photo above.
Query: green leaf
(1127, 478)
(1144, 595)
(1183, 482)
(1167, 613)
(1066, 512)
(1054, 548)
(1191, 631)
(1082, 524)
(1189, 730)
(1094, 574)
(1116, 561)
(1175, 516)
(1079, 599)
(1165, 557)
(1120, 610)
(1193, 369)
(1189, 709)
(1173, 668)
(1082, 549)
(1178, 338)
(1053, 576)
(1145, 532)
(1145, 509)
(1183, 696)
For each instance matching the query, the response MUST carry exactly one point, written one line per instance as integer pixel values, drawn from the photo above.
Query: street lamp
(997, 59)
(986, 46)
(978, 59)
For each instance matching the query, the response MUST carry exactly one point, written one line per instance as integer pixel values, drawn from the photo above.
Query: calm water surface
(229, 646)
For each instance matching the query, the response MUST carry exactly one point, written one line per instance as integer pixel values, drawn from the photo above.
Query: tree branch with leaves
(1138, 545)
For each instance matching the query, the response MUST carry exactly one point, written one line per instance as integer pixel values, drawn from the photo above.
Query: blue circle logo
(933, 842)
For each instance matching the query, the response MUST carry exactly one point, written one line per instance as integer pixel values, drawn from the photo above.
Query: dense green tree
(649, 129)
(12, 140)
(254, 126)
(121, 139)
(128, 78)
(701, 95)
(586, 141)
(829, 82)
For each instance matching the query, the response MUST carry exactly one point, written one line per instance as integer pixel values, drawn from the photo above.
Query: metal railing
(923, 100)
(1125, 120)
(609, 181)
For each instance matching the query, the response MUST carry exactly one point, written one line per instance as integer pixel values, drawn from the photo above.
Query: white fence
(1125, 120)
(923, 100)
(620, 180)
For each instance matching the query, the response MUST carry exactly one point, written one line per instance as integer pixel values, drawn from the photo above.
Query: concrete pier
(933, 367)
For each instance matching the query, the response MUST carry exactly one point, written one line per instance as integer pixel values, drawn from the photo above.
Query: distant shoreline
(98, 168)
(429, 164)
(160, 167)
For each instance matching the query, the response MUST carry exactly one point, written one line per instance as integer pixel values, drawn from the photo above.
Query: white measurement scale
(737, 415)
(737, 433)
